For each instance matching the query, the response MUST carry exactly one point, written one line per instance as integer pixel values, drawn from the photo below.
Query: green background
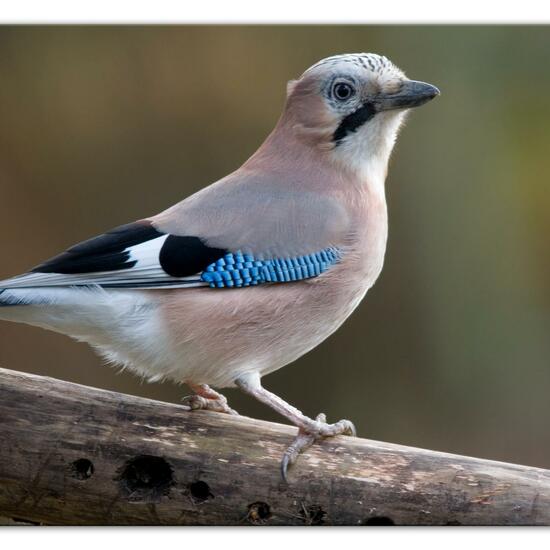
(450, 349)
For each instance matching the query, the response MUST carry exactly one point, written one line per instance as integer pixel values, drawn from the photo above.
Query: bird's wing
(135, 255)
(212, 249)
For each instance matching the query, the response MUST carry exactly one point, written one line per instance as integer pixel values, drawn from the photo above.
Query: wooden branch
(70, 454)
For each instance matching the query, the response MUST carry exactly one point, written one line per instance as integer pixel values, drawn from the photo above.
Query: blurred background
(450, 350)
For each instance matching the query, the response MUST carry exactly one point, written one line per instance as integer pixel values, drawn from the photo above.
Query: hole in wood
(379, 520)
(200, 491)
(82, 468)
(313, 515)
(146, 477)
(258, 513)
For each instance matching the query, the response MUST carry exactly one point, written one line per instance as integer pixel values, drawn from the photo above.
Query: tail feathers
(8, 298)
(39, 296)
(36, 297)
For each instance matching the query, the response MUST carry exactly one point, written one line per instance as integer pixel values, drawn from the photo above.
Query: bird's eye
(342, 91)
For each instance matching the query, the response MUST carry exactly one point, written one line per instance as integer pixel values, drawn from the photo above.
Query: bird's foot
(206, 399)
(197, 402)
(319, 429)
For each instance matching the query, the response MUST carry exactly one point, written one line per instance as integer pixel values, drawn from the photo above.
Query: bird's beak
(412, 94)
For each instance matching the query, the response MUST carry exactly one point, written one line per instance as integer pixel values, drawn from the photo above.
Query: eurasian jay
(253, 271)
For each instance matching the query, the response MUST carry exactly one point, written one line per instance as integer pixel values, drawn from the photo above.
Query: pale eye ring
(342, 91)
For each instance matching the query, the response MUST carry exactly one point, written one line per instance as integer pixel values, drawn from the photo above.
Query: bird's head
(352, 106)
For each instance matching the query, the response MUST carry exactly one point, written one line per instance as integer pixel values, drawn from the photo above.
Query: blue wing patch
(239, 270)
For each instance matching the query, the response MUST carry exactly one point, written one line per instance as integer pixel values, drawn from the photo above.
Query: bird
(253, 271)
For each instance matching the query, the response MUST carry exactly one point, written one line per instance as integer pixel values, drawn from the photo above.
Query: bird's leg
(206, 398)
(309, 430)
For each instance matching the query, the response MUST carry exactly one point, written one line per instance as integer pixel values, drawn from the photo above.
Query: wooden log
(74, 455)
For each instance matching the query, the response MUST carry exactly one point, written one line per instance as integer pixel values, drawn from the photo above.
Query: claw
(284, 466)
(304, 440)
(349, 428)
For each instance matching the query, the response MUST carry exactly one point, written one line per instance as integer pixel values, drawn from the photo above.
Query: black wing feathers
(177, 257)
(104, 253)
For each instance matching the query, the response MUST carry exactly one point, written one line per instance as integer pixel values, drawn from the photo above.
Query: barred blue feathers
(240, 270)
